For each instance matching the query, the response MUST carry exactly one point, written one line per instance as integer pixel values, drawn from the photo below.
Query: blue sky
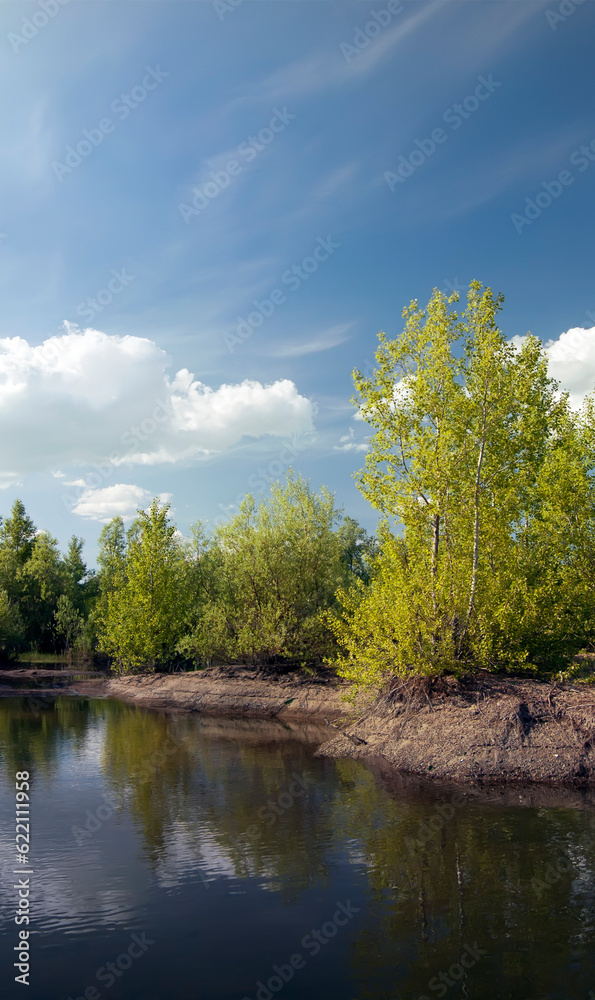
(204, 228)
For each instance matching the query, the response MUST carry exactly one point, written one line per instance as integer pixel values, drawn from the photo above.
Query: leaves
(144, 603)
(478, 463)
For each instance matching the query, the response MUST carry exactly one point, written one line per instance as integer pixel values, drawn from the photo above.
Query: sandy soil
(238, 691)
(484, 729)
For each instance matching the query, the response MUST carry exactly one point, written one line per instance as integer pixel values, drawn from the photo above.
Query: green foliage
(145, 605)
(41, 585)
(490, 477)
(69, 622)
(17, 533)
(265, 578)
(485, 482)
(12, 631)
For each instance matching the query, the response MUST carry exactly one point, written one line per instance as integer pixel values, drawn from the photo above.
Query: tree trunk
(475, 563)
(434, 570)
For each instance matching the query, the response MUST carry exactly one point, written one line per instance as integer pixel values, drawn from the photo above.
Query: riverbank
(483, 729)
(236, 691)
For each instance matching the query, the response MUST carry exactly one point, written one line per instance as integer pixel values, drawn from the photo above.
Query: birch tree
(468, 428)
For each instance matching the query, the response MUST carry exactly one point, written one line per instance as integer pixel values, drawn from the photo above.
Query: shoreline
(483, 729)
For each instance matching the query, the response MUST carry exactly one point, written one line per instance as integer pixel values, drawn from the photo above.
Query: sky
(209, 210)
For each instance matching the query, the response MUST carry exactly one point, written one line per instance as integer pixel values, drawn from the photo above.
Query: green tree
(12, 631)
(17, 532)
(78, 583)
(468, 432)
(145, 609)
(17, 536)
(112, 554)
(266, 576)
(42, 584)
(69, 623)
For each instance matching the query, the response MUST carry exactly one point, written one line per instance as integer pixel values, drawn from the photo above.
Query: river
(175, 856)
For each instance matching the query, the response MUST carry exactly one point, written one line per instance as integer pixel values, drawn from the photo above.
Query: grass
(43, 658)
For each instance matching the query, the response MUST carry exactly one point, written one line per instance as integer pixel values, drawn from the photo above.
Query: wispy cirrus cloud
(348, 443)
(324, 70)
(324, 341)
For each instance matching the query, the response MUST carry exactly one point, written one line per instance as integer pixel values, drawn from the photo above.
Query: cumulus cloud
(401, 391)
(121, 500)
(86, 397)
(571, 360)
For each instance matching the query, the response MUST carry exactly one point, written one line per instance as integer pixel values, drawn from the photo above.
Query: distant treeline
(485, 479)
(251, 591)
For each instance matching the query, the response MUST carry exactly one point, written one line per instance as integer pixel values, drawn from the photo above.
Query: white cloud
(571, 362)
(317, 72)
(401, 391)
(121, 500)
(348, 443)
(88, 398)
(324, 341)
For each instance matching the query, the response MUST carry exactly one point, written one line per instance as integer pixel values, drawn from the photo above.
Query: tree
(145, 607)
(266, 576)
(12, 632)
(17, 532)
(78, 583)
(69, 622)
(42, 583)
(112, 554)
(467, 427)
(359, 549)
(17, 536)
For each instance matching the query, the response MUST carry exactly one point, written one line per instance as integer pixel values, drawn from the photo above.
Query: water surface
(200, 855)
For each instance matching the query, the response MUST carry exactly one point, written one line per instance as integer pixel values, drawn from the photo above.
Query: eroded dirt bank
(482, 728)
(238, 691)
(41, 683)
